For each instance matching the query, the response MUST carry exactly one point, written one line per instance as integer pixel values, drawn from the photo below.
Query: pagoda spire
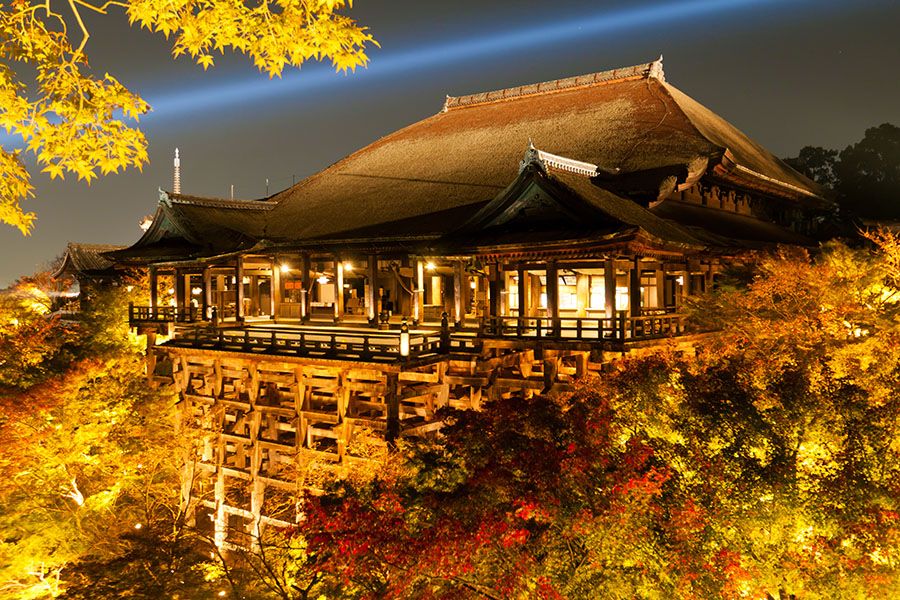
(176, 183)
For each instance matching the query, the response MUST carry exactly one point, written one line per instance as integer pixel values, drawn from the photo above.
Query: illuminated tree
(77, 122)
(765, 467)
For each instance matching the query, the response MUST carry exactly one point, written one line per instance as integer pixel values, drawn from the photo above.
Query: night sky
(789, 73)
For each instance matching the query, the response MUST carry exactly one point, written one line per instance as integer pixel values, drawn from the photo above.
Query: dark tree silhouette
(868, 174)
(817, 163)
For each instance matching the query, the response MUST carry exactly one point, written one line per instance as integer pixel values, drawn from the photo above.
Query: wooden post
(609, 285)
(661, 287)
(634, 289)
(392, 403)
(179, 289)
(257, 485)
(372, 289)
(154, 290)
(419, 292)
(582, 294)
(338, 290)
(522, 288)
(275, 288)
(207, 292)
(553, 296)
(239, 289)
(255, 308)
(306, 283)
(494, 287)
(459, 301)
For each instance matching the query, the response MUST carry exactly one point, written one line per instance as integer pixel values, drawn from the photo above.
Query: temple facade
(509, 244)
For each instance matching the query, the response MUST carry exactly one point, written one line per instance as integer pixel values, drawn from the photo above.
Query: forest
(765, 464)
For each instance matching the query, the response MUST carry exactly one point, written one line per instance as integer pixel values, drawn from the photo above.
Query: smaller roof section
(87, 260)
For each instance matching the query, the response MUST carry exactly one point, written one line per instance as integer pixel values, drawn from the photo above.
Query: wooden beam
(239, 289)
(338, 290)
(392, 403)
(179, 289)
(609, 284)
(522, 289)
(275, 292)
(660, 288)
(459, 290)
(582, 294)
(372, 288)
(634, 289)
(418, 292)
(306, 283)
(207, 292)
(154, 288)
(552, 274)
(494, 287)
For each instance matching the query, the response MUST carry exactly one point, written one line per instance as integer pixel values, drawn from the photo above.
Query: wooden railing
(619, 328)
(162, 314)
(313, 342)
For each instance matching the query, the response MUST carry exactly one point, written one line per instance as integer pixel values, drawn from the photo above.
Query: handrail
(621, 327)
(309, 342)
(163, 314)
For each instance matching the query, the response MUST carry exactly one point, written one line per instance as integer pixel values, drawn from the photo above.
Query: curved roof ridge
(643, 71)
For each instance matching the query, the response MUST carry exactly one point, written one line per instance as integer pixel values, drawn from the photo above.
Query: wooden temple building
(508, 244)
(91, 269)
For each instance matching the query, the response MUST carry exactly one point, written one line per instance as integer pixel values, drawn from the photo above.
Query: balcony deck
(356, 341)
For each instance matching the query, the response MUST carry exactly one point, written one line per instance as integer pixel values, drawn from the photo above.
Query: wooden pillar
(275, 288)
(154, 289)
(207, 292)
(552, 273)
(534, 295)
(522, 289)
(179, 289)
(459, 289)
(419, 292)
(661, 287)
(372, 289)
(582, 294)
(634, 289)
(306, 283)
(494, 287)
(392, 403)
(255, 308)
(609, 284)
(239, 289)
(338, 290)
(220, 299)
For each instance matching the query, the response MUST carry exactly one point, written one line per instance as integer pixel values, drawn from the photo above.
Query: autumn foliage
(78, 122)
(766, 466)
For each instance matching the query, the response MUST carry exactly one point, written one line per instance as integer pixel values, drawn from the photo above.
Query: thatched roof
(430, 174)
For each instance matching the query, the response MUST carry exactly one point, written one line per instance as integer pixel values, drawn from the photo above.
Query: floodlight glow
(608, 23)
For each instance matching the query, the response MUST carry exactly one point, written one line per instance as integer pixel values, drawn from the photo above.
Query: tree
(77, 122)
(868, 174)
(766, 466)
(817, 163)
